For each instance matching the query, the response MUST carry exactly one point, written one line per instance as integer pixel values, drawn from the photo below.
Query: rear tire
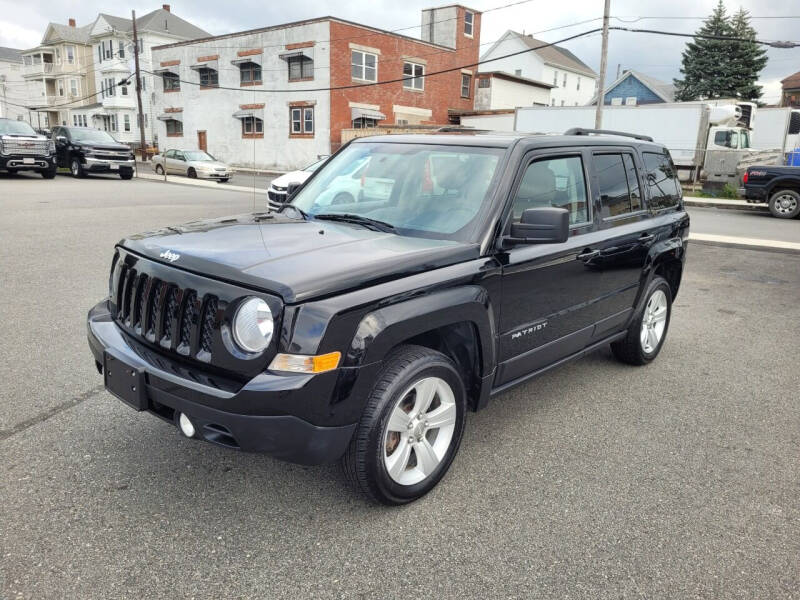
(410, 429)
(224, 180)
(648, 330)
(785, 204)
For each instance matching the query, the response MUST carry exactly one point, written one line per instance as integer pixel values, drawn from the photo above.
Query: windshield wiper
(358, 219)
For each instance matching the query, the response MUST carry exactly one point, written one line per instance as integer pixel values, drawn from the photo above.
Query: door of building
(201, 141)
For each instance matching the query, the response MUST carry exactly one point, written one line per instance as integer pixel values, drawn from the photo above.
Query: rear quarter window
(664, 190)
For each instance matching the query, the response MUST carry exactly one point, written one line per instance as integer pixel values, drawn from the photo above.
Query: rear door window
(618, 184)
(663, 187)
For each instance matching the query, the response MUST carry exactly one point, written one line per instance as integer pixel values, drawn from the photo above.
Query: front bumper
(167, 394)
(104, 164)
(213, 174)
(18, 162)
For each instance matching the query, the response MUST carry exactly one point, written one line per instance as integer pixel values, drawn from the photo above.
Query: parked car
(86, 150)
(366, 331)
(192, 163)
(22, 149)
(778, 186)
(277, 190)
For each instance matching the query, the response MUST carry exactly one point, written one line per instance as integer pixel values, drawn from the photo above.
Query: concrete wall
(211, 110)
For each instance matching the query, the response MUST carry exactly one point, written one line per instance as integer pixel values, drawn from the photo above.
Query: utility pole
(139, 87)
(601, 96)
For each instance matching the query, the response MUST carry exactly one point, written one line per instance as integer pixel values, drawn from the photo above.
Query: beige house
(59, 74)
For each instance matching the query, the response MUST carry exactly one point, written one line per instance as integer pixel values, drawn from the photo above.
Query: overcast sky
(23, 24)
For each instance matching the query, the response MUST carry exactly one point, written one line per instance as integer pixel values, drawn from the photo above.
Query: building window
(415, 76)
(364, 123)
(484, 82)
(552, 101)
(172, 82)
(302, 120)
(250, 73)
(518, 72)
(364, 65)
(123, 90)
(127, 121)
(466, 84)
(555, 78)
(565, 80)
(469, 22)
(73, 87)
(70, 50)
(121, 49)
(143, 81)
(108, 49)
(578, 86)
(113, 122)
(252, 127)
(562, 103)
(174, 128)
(60, 87)
(107, 88)
(208, 77)
(300, 68)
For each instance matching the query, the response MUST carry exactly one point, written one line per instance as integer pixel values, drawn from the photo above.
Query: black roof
(505, 139)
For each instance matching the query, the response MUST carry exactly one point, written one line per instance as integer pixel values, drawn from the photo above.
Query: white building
(573, 81)
(13, 88)
(115, 108)
(499, 90)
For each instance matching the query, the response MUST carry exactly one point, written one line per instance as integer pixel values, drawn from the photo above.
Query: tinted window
(555, 182)
(618, 184)
(662, 181)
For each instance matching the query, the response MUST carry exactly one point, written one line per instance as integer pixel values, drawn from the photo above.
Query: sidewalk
(177, 179)
(723, 203)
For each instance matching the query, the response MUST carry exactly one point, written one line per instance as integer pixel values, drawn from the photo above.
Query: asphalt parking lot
(677, 480)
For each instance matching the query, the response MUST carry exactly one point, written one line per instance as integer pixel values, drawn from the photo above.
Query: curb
(745, 243)
(724, 204)
(200, 183)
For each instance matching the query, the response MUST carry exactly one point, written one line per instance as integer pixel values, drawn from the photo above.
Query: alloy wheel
(419, 431)
(654, 321)
(785, 204)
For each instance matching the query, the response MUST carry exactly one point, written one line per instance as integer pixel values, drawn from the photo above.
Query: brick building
(260, 97)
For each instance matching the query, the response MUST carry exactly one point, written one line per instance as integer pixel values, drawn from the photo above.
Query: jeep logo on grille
(170, 255)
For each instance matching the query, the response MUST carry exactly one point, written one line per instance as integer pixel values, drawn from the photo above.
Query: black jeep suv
(22, 149)
(465, 264)
(85, 150)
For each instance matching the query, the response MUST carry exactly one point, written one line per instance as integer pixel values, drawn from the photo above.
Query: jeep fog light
(253, 325)
(301, 363)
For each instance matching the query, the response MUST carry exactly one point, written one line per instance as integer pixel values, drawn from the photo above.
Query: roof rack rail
(584, 131)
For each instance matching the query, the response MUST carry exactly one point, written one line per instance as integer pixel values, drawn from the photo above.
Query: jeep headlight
(253, 325)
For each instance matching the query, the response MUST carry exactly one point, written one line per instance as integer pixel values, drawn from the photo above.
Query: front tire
(159, 170)
(126, 173)
(410, 429)
(785, 204)
(49, 173)
(648, 331)
(76, 168)
(191, 173)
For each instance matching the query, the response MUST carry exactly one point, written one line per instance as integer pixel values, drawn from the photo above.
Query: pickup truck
(22, 149)
(366, 331)
(84, 150)
(778, 186)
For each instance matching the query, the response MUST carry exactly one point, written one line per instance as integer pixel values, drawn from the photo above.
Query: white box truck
(778, 129)
(690, 130)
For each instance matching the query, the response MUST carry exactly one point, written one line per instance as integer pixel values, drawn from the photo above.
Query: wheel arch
(783, 183)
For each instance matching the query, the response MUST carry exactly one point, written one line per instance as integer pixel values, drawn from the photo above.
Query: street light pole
(138, 87)
(601, 96)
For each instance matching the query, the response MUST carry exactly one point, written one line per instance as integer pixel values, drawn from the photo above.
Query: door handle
(646, 238)
(588, 254)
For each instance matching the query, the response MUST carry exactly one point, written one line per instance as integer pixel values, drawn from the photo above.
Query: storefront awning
(304, 52)
(246, 112)
(211, 64)
(161, 70)
(256, 58)
(367, 113)
(170, 117)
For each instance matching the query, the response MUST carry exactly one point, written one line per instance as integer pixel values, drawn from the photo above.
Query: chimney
(165, 7)
(71, 22)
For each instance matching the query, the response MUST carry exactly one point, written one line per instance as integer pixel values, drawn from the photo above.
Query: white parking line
(743, 241)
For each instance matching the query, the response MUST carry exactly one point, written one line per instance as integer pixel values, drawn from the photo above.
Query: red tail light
(746, 175)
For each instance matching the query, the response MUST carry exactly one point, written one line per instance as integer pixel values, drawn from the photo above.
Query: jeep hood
(298, 260)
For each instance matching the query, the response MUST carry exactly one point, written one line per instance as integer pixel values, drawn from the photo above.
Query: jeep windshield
(92, 135)
(10, 127)
(422, 190)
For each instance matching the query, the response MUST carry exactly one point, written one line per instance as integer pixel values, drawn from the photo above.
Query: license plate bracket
(125, 382)
(113, 166)
(28, 161)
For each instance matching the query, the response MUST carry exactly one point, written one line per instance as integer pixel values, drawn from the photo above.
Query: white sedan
(192, 163)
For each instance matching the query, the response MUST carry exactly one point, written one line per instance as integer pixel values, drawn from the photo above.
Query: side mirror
(543, 225)
(61, 139)
(292, 188)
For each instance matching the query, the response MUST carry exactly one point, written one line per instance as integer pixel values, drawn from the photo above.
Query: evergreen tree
(706, 65)
(748, 59)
